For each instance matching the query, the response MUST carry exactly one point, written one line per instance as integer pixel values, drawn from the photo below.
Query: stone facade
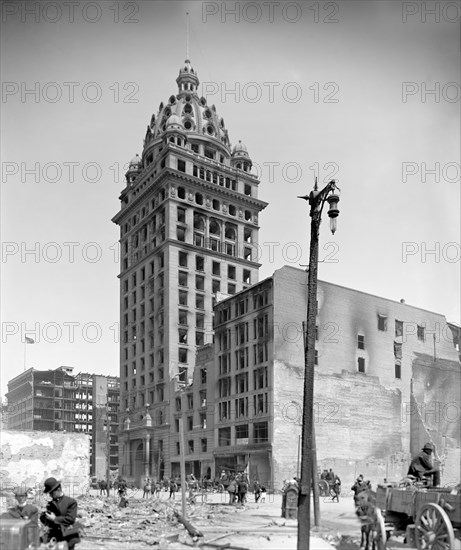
(189, 224)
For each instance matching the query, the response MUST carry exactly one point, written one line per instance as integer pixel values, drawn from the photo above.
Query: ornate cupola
(240, 158)
(134, 169)
(187, 80)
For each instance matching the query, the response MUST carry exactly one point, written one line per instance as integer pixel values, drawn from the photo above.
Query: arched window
(230, 232)
(215, 228)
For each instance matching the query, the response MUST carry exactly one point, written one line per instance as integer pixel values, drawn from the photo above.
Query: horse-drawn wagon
(329, 488)
(430, 517)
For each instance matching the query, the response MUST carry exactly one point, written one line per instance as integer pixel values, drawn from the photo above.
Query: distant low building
(56, 400)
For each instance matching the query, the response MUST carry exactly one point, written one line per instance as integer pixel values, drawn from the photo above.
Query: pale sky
(343, 86)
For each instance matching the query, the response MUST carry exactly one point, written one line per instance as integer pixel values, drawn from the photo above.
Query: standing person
(336, 488)
(173, 488)
(121, 487)
(422, 466)
(358, 487)
(232, 490)
(157, 488)
(102, 487)
(109, 487)
(147, 488)
(21, 510)
(257, 489)
(60, 515)
(243, 489)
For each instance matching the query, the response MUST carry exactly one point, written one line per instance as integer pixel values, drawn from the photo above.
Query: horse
(366, 511)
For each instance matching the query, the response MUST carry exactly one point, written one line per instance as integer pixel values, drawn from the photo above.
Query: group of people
(59, 519)
(238, 488)
(154, 488)
(334, 483)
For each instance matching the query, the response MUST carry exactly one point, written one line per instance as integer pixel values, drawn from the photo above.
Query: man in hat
(60, 514)
(21, 510)
(422, 466)
(359, 487)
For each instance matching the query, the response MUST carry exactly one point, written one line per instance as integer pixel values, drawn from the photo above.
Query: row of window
(243, 408)
(143, 212)
(260, 298)
(242, 335)
(191, 448)
(382, 326)
(241, 382)
(260, 434)
(215, 204)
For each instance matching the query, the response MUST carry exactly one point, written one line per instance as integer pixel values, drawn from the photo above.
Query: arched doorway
(138, 466)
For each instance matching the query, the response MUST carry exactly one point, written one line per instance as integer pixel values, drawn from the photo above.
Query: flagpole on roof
(25, 343)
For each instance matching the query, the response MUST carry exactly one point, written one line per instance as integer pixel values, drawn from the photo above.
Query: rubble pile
(144, 522)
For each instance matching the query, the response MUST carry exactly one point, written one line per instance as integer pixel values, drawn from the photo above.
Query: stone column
(147, 456)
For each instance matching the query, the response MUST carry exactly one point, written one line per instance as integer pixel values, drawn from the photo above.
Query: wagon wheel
(324, 488)
(433, 529)
(379, 531)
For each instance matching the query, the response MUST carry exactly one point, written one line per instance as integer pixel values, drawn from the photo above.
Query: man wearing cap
(60, 514)
(22, 510)
(422, 466)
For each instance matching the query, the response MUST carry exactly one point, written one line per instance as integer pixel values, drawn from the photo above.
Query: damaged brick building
(387, 379)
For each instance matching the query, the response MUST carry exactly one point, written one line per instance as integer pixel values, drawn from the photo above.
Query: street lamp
(316, 200)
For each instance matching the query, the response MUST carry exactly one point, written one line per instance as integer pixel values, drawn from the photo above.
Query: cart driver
(422, 466)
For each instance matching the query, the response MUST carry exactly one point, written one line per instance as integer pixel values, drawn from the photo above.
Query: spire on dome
(187, 35)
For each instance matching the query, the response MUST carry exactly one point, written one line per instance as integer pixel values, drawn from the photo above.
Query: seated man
(22, 510)
(422, 466)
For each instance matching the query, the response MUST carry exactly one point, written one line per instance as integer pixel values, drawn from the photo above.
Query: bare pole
(315, 485)
(187, 35)
(108, 444)
(316, 201)
(182, 467)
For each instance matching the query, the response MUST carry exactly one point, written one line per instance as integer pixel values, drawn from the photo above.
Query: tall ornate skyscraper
(188, 234)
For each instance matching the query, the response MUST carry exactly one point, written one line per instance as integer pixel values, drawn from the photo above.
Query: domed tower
(134, 169)
(188, 237)
(240, 158)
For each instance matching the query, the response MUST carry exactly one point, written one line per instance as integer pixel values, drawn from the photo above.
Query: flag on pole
(30, 340)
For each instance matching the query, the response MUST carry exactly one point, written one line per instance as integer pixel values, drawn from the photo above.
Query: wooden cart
(430, 517)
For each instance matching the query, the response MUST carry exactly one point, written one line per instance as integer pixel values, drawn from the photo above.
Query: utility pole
(316, 201)
(182, 466)
(108, 444)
